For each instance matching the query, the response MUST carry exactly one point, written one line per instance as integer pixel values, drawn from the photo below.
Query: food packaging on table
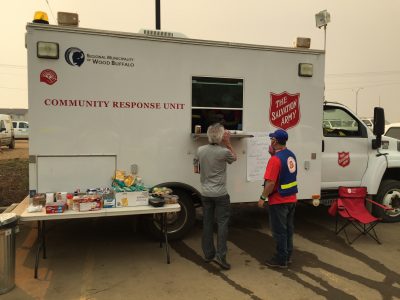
(38, 199)
(55, 207)
(126, 199)
(109, 199)
(171, 199)
(86, 203)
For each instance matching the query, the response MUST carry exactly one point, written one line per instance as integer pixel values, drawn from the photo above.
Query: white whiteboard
(68, 173)
(257, 156)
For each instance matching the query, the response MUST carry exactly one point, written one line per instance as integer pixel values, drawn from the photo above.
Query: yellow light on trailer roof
(40, 17)
(47, 50)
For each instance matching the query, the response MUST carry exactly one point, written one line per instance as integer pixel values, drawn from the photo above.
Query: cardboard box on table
(125, 199)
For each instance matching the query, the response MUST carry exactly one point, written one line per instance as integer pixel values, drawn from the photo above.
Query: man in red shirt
(280, 186)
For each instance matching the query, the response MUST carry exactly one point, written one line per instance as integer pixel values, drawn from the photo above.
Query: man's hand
(226, 138)
(226, 141)
(261, 203)
(271, 150)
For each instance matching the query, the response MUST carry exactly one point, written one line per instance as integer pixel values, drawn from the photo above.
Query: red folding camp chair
(351, 207)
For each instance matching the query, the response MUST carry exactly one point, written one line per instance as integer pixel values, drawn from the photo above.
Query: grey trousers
(218, 208)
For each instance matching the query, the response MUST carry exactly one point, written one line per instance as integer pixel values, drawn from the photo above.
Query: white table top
(104, 212)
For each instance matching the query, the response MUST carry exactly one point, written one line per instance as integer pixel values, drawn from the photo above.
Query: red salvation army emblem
(48, 76)
(343, 159)
(284, 110)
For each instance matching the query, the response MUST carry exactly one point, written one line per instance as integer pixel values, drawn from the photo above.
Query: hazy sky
(362, 39)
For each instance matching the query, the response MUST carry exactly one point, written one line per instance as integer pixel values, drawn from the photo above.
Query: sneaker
(222, 263)
(274, 263)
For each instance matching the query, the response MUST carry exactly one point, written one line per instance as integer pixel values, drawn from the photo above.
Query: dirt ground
(14, 177)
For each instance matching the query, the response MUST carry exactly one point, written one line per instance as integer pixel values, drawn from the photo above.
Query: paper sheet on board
(257, 156)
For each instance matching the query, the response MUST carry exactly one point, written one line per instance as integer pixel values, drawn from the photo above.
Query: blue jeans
(281, 221)
(218, 208)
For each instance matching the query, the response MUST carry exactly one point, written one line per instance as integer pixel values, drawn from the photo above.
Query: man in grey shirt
(213, 159)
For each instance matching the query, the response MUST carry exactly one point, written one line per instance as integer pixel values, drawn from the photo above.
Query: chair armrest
(385, 207)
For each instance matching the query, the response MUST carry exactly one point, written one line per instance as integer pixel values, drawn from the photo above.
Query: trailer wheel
(389, 195)
(12, 144)
(179, 223)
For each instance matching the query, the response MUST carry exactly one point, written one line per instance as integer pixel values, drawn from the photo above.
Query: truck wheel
(12, 144)
(389, 195)
(179, 223)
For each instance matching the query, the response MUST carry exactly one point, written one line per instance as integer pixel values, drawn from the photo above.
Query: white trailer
(101, 101)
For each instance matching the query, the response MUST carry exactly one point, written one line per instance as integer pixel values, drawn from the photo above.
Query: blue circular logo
(74, 56)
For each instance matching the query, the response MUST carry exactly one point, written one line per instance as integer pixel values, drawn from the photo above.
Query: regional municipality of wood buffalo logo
(284, 110)
(343, 159)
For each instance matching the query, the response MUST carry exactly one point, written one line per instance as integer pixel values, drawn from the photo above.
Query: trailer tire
(180, 223)
(388, 190)
(12, 143)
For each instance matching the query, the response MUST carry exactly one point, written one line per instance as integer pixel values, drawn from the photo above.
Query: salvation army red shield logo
(48, 76)
(284, 110)
(343, 159)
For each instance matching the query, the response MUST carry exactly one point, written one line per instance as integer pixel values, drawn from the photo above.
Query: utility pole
(360, 88)
(158, 15)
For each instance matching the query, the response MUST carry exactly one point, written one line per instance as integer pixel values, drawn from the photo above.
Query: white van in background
(6, 132)
(21, 129)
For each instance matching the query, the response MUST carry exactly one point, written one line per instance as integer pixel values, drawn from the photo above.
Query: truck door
(345, 148)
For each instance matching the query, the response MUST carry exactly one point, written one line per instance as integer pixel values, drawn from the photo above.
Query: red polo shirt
(272, 174)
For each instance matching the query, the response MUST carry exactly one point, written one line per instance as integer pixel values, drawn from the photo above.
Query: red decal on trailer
(343, 159)
(284, 110)
(48, 76)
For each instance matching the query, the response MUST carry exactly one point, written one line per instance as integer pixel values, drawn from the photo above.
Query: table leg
(165, 230)
(41, 245)
(44, 239)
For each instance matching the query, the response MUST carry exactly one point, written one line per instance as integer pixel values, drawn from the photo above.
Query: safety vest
(287, 183)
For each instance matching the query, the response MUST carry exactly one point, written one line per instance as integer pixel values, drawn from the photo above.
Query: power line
(51, 11)
(364, 86)
(363, 74)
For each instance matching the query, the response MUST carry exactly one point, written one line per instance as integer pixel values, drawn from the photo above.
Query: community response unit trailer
(101, 101)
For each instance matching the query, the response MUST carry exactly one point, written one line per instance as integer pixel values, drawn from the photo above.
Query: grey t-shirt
(213, 160)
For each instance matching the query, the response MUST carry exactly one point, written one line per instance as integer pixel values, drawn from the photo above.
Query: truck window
(393, 132)
(342, 124)
(217, 100)
(367, 122)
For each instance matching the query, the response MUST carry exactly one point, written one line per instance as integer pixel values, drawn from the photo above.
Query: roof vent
(302, 42)
(161, 33)
(67, 19)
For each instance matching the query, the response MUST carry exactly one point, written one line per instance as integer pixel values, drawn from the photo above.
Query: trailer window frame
(217, 100)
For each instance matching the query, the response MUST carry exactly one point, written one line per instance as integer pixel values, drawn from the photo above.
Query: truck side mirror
(379, 126)
(379, 121)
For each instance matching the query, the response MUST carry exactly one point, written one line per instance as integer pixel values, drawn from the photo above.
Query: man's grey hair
(215, 133)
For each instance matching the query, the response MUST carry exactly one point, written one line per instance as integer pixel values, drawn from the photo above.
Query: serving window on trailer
(217, 100)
